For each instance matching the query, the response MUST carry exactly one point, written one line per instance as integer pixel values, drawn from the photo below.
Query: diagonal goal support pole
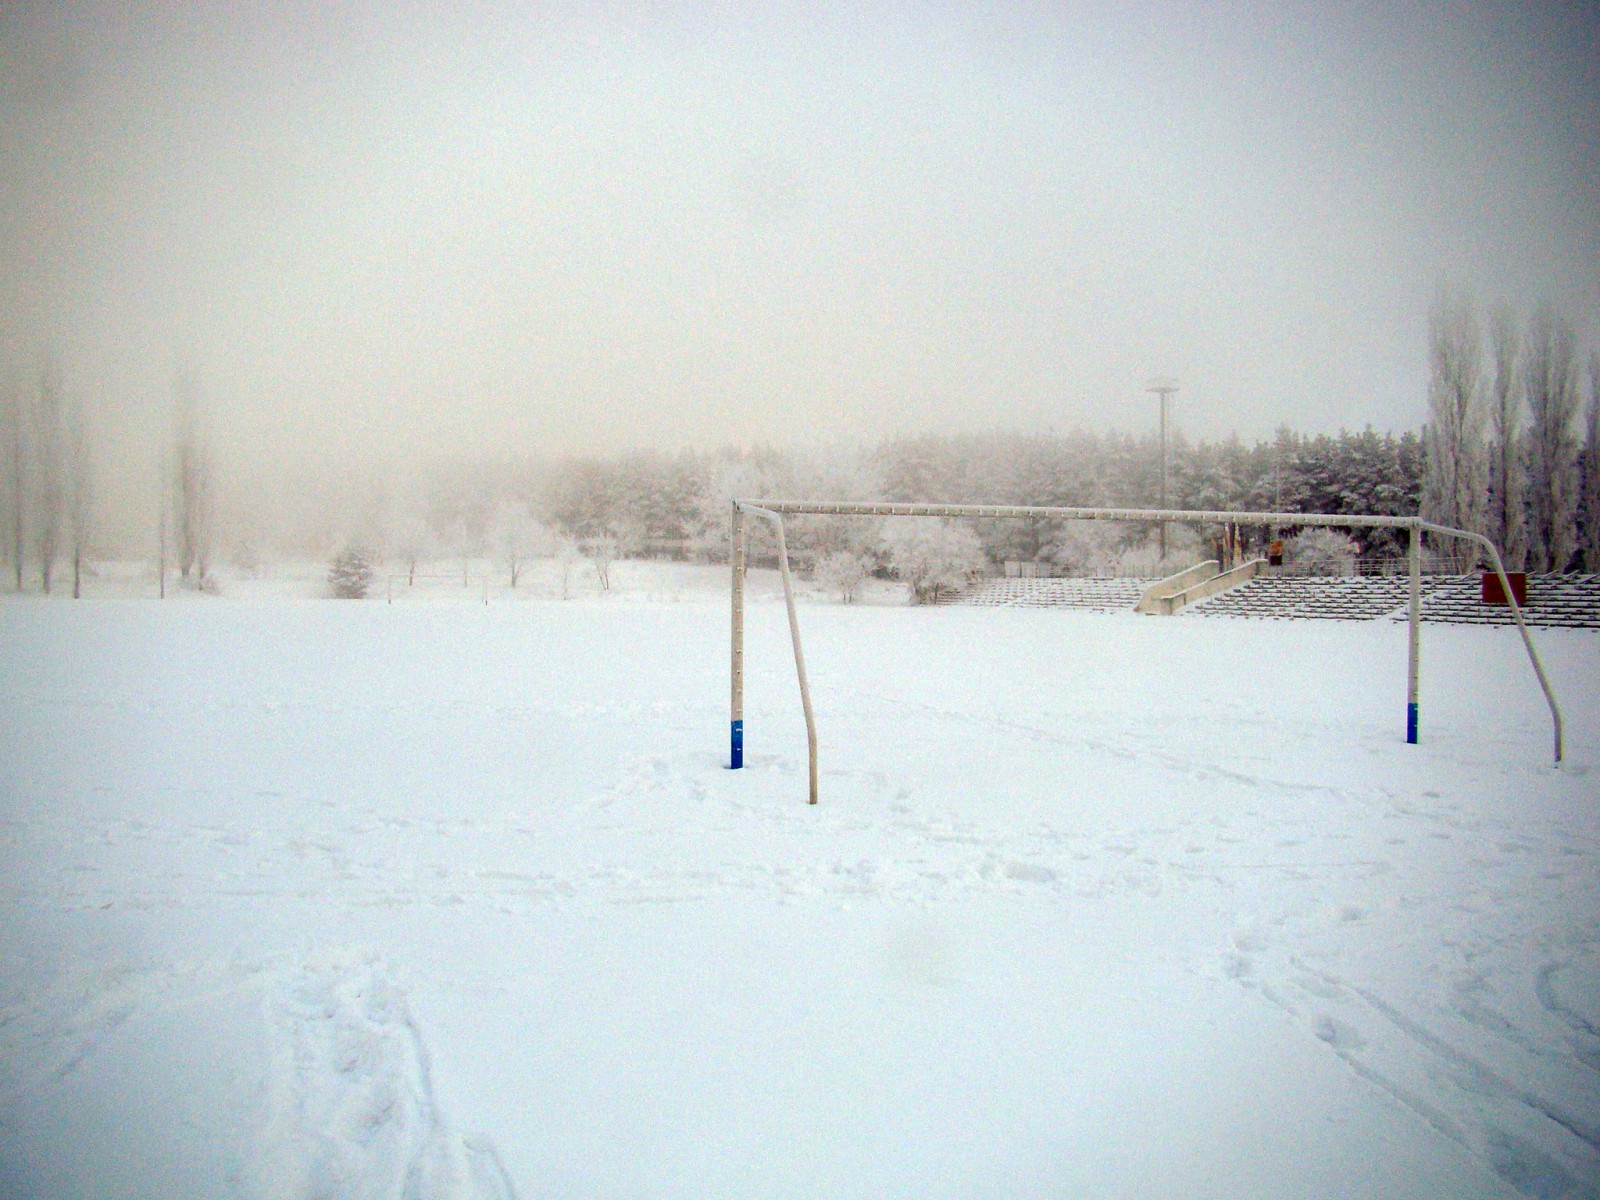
(774, 511)
(794, 637)
(1516, 615)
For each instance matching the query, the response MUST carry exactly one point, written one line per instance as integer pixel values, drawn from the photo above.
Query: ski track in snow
(1485, 1036)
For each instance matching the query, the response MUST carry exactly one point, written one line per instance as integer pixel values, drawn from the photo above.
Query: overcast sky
(394, 229)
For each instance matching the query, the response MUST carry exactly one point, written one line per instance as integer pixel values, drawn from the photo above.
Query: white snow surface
(339, 899)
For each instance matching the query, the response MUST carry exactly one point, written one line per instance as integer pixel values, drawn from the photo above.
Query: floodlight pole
(1163, 388)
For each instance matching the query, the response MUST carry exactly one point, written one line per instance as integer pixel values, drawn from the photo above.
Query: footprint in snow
(350, 1108)
(1029, 872)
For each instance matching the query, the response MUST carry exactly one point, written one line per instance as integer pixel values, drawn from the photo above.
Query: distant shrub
(351, 574)
(932, 556)
(844, 571)
(1324, 551)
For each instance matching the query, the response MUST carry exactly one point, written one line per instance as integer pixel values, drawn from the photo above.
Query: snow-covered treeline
(1509, 452)
(651, 504)
(676, 505)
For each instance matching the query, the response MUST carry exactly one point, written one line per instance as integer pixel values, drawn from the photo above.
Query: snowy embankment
(339, 899)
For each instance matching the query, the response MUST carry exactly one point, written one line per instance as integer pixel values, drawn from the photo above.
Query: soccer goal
(774, 511)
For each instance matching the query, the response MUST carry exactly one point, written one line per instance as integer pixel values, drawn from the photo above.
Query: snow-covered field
(311, 898)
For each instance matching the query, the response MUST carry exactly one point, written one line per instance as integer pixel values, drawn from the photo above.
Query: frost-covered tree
(413, 541)
(843, 571)
(601, 552)
(192, 484)
(1453, 492)
(1505, 516)
(567, 556)
(16, 483)
(583, 497)
(80, 490)
(49, 473)
(835, 472)
(464, 538)
(1551, 375)
(1323, 551)
(631, 534)
(517, 536)
(931, 556)
(736, 475)
(1591, 471)
(1084, 547)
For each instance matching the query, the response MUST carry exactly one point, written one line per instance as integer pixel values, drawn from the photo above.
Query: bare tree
(601, 553)
(1591, 471)
(48, 474)
(163, 516)
(1551, 373)
(192, 501)
(414, 540)
(468, 539)
(1506, 517)
(1453, 492)
(517, 535)
(567, 555)
(80, 490)
(16, 434)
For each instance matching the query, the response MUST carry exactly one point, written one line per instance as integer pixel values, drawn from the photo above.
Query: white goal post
(774, 511)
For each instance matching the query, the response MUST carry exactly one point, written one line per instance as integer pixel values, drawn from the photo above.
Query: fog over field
(371, 237)
(411, 355)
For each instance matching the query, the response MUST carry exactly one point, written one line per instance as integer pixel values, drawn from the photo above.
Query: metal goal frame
(773, 511)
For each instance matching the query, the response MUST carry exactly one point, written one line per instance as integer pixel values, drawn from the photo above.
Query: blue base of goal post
(736, 755)
(1411, 724)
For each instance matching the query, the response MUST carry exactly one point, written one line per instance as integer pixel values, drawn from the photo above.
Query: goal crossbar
(850, 508)
(773, 511)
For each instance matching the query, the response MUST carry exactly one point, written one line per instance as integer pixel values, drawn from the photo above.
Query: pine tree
(351, 574)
